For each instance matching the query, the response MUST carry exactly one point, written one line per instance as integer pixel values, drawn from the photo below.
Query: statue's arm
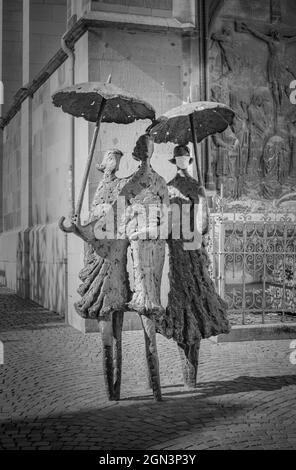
(246, 28)
(218, 141)
(290, 40)
(217, 37)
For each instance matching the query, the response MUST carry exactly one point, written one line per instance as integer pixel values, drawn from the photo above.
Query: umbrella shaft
(198, 169)
(89, 160)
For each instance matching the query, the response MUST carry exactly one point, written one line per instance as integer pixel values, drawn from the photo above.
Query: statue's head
(111, 161)
(227, 31)
(237, 123)
(216, 92)
(257, 99)
(274, 147)
(181, 158)
(144, 148)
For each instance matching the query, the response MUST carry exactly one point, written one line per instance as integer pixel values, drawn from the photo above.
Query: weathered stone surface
(251, 60)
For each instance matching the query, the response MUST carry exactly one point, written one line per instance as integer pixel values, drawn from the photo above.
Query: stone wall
(33, 257)
(50, 153)
(12, 172)
(11, 49)
(48, 22)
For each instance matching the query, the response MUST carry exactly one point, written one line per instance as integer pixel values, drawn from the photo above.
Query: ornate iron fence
(253, 265)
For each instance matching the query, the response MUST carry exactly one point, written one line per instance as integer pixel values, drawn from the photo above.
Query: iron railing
(253, 261)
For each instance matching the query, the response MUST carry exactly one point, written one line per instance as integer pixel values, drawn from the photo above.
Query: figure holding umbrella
(194, 310)
(105, 289)
(192, 122)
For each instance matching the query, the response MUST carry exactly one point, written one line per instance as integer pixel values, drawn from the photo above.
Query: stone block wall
(12, 172)
(47, 267)
(48, 22)
(8, 257)
(50, 153)
(11, 49)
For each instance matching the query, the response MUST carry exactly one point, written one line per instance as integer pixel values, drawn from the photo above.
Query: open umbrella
(99, 102)
(191, 122)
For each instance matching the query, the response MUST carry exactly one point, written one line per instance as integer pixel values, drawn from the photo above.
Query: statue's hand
(74, 219)
(202, 191)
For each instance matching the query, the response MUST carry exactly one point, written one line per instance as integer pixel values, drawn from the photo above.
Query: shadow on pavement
(130, 425)
(242, 384)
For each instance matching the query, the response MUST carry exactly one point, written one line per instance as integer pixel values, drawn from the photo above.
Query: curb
(262, 332)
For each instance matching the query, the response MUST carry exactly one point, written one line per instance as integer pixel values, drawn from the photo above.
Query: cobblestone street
(52, 391)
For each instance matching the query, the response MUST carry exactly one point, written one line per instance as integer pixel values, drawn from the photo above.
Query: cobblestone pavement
(52, 391)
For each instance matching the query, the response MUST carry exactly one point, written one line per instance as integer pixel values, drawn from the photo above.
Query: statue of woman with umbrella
(194, 309)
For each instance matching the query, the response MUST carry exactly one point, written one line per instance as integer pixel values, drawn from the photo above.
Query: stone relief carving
(230, 59)
(257, 89)
(276, 65)
(275, 165)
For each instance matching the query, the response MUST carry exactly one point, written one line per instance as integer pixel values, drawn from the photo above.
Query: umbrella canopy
(207, 118)
(85, 100)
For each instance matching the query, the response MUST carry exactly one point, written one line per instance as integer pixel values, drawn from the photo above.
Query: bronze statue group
(194, 310)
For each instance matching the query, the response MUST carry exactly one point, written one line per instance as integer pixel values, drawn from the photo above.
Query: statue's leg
(151, 355)
(147, 354)
(117, 322)
(107, 340)
(189, 359)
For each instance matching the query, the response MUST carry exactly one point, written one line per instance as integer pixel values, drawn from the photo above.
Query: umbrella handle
(89, 161)
(194, 140)
(64, 228)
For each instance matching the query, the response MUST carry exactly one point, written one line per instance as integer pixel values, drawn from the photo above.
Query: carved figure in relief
(194, 309)
(227, 161)
(259, 127)
(275, 166)
(277, 48)
(230, 60)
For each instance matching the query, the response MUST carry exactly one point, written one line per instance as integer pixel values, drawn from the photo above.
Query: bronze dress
(105, 285)
(194, 310)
